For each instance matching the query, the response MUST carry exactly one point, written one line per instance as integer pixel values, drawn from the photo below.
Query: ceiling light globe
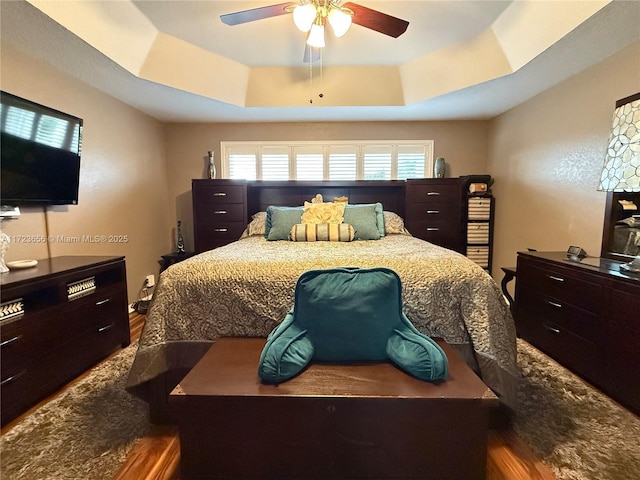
(316, 36)
(339, 21)
(303, 16)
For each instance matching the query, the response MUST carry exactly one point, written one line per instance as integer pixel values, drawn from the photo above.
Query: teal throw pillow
(367, 220)
(280, 220)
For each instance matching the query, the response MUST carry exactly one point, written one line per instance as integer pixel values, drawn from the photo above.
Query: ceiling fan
(311, 16)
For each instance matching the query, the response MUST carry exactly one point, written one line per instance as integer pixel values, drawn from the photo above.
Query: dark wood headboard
(223, 208)
(261, 194)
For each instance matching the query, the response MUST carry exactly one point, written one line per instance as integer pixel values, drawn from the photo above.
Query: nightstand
(173, 257)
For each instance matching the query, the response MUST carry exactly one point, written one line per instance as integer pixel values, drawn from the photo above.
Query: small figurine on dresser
(180, 242)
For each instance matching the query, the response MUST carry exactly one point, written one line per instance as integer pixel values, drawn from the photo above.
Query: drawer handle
(553, 304)
(105, 328)
(220, 229)
(431, 194)
(11, 379)
(10, 341)
(103, 302)
(432, 212)
(219, 194)
(220, 212)
(553, 277)
(433, 229)
(551, 329)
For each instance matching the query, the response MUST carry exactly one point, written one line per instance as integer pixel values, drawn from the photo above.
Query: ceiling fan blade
(378, 21)
(259, 13)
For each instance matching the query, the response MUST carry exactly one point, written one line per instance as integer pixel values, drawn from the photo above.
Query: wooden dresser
(586, 315)
(434, 211)
(57, 320)
(219, 212)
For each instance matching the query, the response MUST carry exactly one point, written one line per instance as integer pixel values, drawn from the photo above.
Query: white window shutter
(411, 161)
(242, 163)
(343, 162)
(309, 162)
(275, 163)
(377, 162)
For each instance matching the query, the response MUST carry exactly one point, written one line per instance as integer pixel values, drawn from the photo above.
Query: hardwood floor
(157, 455)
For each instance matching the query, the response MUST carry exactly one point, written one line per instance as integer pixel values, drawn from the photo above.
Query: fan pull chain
(321, 95)
(310, 74)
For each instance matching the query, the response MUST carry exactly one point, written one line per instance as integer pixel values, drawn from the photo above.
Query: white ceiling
(275, 41)
(435, 26)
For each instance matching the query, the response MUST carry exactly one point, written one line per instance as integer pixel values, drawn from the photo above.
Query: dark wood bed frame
(244, 199)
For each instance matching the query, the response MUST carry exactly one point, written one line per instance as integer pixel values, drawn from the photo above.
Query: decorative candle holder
(212, 166)
(180, 242)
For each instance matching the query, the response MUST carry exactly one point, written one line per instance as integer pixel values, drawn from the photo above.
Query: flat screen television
(41, 147)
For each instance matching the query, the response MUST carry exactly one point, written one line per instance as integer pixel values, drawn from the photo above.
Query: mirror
(621, 232)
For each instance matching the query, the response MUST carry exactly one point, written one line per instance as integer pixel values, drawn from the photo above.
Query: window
(275, 163)
(327, 161)
(377, 162)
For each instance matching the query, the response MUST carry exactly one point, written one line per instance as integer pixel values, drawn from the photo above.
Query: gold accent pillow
(323, 212)
(317, 232)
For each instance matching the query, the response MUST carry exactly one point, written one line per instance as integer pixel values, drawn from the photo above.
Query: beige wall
(546, 156)
(463, 144)
(123, 184)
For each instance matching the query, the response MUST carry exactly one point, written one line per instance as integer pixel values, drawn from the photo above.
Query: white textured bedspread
(246, 288)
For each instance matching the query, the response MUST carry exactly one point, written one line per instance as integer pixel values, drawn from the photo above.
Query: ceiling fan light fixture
(303, 16)
(340, 20)
(316, 35)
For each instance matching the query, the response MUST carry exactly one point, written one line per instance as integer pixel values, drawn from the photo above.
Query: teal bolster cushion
(349, 315)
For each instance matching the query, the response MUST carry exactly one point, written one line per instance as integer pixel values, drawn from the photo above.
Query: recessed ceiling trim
(117, 29)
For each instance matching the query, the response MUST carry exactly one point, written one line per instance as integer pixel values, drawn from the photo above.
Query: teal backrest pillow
(349, 315)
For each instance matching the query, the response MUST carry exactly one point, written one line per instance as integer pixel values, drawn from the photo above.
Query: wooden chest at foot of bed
(331, 422)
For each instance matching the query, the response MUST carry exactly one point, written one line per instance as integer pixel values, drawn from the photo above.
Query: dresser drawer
(223, 231)
(564, 316)
(572, 351)
(218, 194)
(561, 286)
(15, 349)
(433, 193)
(556, 340)
(433, 212)
(16, 396)
(433, 228)
(222, 213)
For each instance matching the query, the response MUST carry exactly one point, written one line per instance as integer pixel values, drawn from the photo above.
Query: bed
(245, 288)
